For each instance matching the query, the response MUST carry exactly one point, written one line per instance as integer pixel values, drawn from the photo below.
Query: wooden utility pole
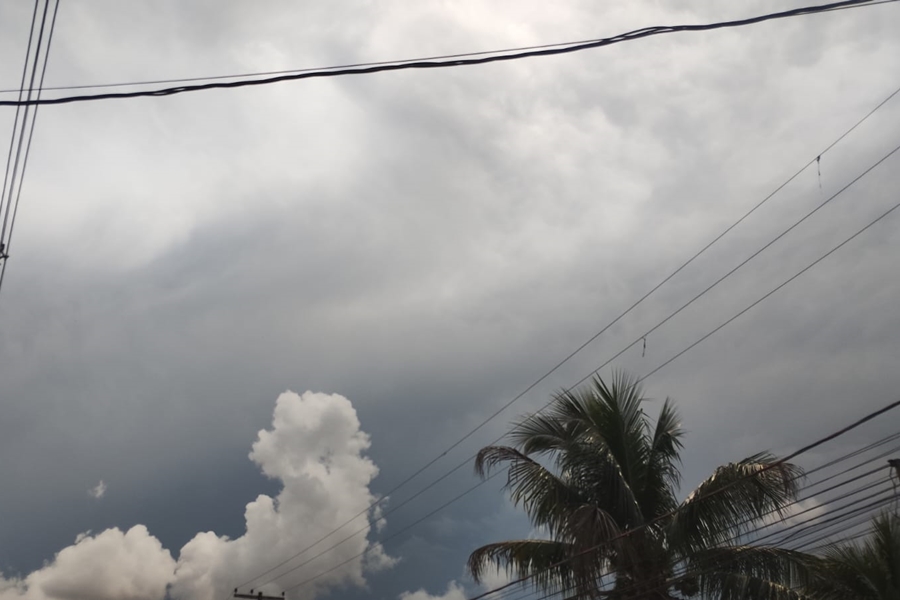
(257, 596)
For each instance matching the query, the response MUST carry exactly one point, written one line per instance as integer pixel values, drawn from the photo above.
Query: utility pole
(895, 464)
(257, 596)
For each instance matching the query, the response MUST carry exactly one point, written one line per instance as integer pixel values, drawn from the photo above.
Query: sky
(234, 319)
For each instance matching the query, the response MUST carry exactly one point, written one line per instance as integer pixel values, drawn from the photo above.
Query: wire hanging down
(470, 59)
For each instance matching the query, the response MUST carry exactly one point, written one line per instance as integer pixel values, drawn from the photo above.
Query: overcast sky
(414, 249)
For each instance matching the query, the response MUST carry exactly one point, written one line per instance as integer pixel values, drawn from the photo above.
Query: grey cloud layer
(426, 244)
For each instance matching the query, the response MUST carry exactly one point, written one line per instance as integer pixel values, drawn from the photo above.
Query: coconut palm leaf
(544, 496)
(550, 565)
(661, 475)
(729, 502)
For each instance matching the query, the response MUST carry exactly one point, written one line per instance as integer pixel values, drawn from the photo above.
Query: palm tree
(870, 571)
(601, 479)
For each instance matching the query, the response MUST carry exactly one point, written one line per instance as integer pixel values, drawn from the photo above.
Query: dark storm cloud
(426, 244)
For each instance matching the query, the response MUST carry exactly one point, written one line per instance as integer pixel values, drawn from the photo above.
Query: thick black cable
(562, 362)
(419, 64)
(893, 450)
(331, 68)
(885, 440)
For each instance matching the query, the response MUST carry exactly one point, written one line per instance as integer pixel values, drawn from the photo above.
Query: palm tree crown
(601, 479)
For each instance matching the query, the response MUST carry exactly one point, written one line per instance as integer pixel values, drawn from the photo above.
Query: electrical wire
(774, 290)
(435, 511)
(870, 416)
(331, 68)
(717, 562)
(821, 441)
(782, 510)
(761, 299)
(6, 236)
(461, 62)
(12, 138)
(571, 355)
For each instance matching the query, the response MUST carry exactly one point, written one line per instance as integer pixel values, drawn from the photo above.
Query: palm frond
(595, 470)
(593, 530)
(730, 501)
(666, 445)
(545, 497)
(541, 433)
(552, 566)
(615, 416)
(661, 475)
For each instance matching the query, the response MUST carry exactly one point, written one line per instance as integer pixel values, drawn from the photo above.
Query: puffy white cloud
(112, 565)
(316, 449)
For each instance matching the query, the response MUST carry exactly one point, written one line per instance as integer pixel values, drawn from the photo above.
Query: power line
(776, 289)
(852, 508)
(346, 561)
(367, 550)
(468, 60)
(509, 594)
(877, 503)
(471, 489)
(547, 374)
(821, 441)
(13, 137)
(734, 542)
(690, 347)
(331, 68)
(10, 203)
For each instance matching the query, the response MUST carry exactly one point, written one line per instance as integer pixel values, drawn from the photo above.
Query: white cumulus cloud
(112, 565)
(316, 449)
